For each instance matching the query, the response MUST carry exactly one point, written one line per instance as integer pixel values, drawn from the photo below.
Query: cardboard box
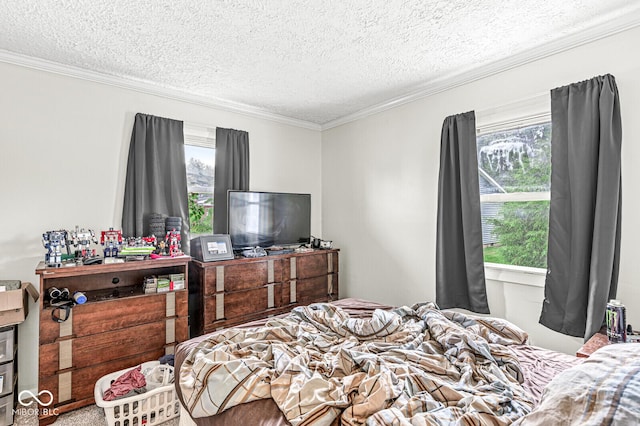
(164, 284)
(14, 304)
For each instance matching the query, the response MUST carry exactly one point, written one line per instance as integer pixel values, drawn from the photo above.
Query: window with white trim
(514, 170)
(200, 152)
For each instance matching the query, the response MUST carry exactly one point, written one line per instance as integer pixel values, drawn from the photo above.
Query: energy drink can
(616, 322)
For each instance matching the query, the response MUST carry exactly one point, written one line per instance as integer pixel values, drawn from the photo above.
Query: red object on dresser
(597, 341)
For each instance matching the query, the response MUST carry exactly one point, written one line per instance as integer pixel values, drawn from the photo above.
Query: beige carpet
(91, 415)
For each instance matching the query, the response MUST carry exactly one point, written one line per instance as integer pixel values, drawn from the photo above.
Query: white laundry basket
(149, 408)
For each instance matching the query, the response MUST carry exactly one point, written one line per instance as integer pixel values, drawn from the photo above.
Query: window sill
(522, 275)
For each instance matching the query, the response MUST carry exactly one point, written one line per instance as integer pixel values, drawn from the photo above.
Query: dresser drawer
(99, 348)
(7, 347)
(311, 265)
(6, 410)
(7, 378)
(242, 303)
(310, 290)
(242, 276)
(99, 317)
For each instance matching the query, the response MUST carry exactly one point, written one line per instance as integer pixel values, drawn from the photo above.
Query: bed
(359, 362)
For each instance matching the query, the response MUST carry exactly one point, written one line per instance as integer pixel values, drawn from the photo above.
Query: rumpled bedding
(603, 390)
(413, 365)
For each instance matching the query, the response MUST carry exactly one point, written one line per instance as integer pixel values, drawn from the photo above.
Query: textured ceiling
(313, 60)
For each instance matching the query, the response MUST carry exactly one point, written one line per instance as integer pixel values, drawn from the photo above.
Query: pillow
(603, 390)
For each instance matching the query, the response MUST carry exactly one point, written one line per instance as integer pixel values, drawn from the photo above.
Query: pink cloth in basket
(125, 383)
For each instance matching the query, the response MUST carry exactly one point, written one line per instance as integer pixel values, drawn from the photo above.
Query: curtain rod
(534, 109)
(518, 102)
(527, 120)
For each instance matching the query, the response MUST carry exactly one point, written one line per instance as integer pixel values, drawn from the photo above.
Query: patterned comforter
(604, 390)
(413, 365)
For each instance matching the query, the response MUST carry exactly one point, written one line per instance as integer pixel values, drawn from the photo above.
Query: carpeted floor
(91, 415)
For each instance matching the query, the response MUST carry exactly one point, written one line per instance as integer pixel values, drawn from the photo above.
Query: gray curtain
(584, 218)
(231, 172)
(460, 281)
(156, 179)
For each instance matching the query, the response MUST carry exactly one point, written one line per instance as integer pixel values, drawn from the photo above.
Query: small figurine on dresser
(111, 240)
(54, 242)
(82, 239)
(173, 242)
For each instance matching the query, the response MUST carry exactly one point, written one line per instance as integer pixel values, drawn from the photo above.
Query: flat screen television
(265, 219)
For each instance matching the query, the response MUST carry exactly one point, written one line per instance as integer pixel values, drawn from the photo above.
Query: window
(199, 150)
(514, 167)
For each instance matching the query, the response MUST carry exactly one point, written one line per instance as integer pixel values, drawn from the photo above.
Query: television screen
(265, 219)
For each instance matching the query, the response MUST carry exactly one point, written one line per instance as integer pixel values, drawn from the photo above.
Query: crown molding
(630, 20)
(149, 88)
(442, 84)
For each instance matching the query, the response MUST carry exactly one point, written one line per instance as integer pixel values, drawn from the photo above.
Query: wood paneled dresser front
(231, 292)
(118, 327)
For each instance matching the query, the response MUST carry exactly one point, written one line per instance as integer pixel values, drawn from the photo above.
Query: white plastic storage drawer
(6, 345)
(6, 410)
(6, 377)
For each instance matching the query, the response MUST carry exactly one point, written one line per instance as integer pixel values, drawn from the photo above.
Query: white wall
(64, 150)
(380, 175)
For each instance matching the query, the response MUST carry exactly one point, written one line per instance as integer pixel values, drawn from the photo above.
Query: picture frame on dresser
(210, 248)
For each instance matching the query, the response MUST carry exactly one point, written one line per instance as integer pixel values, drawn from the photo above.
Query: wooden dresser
(118, 327)
(231, 292)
